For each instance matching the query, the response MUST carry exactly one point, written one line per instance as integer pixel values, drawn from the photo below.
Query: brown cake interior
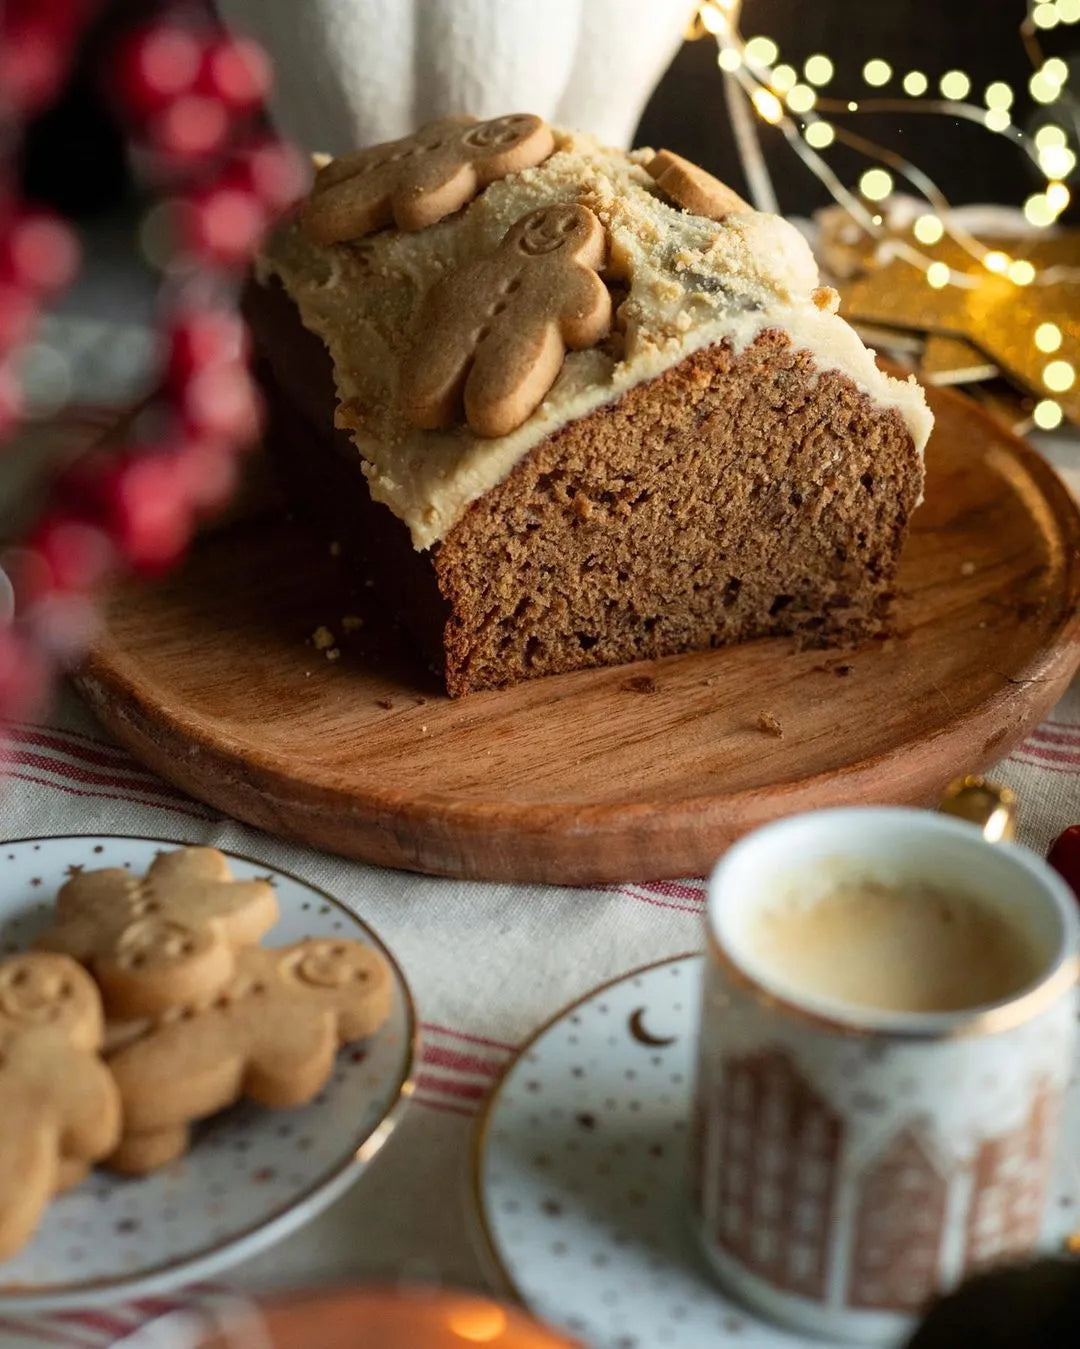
(729, 498)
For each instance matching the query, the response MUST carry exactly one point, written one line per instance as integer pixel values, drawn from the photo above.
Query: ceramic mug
(850, 1163)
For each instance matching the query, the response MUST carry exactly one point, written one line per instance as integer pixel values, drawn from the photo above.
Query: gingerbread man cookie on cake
(493, 336)
(414, 182)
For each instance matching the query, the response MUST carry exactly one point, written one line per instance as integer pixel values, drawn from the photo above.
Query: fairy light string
(794, 103)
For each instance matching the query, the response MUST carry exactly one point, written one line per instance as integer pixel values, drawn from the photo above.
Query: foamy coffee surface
(903, 948)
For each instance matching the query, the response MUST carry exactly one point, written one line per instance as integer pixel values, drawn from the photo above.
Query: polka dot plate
(580, 1167)
(252, 1175)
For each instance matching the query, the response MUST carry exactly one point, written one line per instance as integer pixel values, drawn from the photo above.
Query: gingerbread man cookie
(156, 941)
(59, 1106)
(495, 334)
(414, 182)
(270, 1035)
(696, 191)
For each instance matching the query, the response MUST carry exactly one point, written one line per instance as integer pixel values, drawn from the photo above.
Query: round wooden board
(639, 772)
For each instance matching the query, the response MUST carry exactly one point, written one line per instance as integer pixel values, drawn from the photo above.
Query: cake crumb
(384, 703)
(322, 638)
(333, 654)
(843, 670)
(967, 568)
(335, 549)
(640, 684)
(713, 679)
(423, 730)
(770, 724)
(351, 623)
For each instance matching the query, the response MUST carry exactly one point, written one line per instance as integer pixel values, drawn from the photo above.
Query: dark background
(74, 157)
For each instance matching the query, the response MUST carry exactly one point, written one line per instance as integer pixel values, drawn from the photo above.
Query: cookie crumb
(335, 549)
(967, 568)
(384, 703)
(351, 623)
(713, 679)
(640, 684)
(770, 724)
(423, 730)
(333, 654)
(322, 638)
(843, 670)
(420, 700)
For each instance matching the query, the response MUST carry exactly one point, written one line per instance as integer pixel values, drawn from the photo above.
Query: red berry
(156, 64)
(224, 225)
(150, 523)
(221, 402)
(202, 338)
(191, 127)
(33, 60)
(1064, 856)
(77, 555)
(39, 252)
(275, 172)
(237, 71)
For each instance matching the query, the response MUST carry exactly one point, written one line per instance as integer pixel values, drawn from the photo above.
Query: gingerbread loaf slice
(727, 463)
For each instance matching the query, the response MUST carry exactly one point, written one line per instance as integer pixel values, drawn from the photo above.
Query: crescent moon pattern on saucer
(636, 1026)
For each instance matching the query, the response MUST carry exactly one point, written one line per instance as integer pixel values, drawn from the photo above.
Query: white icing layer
(681, 282)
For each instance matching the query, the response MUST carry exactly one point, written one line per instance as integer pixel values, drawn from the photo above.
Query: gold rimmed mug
(851, 1163)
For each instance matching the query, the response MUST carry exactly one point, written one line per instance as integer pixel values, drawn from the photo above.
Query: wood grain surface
(640, 772)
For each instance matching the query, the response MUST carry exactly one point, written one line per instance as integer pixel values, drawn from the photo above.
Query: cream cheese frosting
(680, 282)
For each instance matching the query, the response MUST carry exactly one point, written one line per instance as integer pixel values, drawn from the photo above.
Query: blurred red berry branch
(189, 95)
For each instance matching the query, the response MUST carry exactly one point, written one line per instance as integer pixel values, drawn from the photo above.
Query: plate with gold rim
(579, 1170)
(252, 1175)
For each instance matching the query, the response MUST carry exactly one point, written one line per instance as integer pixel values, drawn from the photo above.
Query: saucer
(580, 1166)
(252, 1175)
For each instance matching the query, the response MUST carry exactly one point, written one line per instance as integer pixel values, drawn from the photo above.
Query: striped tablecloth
(487, 964)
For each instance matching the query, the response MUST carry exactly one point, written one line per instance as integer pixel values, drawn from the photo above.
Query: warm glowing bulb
(818, 69)
(820, 135)
(853, 106)
(1059, 376)
(1068, 11)
(995, 261)
(479, 1322)
(877, 73)
(783, 78)
(729, 58)
(712, 20)
(876, 184)
(1021, 272)
(1045, 16)
(955, 85)
(1048, 337)
(928, 229)
(1057, 197)
(801, 99)
(915, 83)
(1057, 161)
(761, 51)
(1047, 414)
(1050, 137)
(768, 105)
(1042, 89)
(999, 95)
(1056, 70)
(1038, 211)
(937, 275)
(997, 119)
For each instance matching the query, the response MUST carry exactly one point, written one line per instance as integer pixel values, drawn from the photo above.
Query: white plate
(579, 1169)
(252, 1175)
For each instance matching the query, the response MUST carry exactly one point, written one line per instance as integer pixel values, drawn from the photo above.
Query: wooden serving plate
(639, 772)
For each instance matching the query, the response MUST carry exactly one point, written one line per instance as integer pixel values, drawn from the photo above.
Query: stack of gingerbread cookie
(148, 1005)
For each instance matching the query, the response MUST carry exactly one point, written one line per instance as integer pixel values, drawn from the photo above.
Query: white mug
(851, 1163)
